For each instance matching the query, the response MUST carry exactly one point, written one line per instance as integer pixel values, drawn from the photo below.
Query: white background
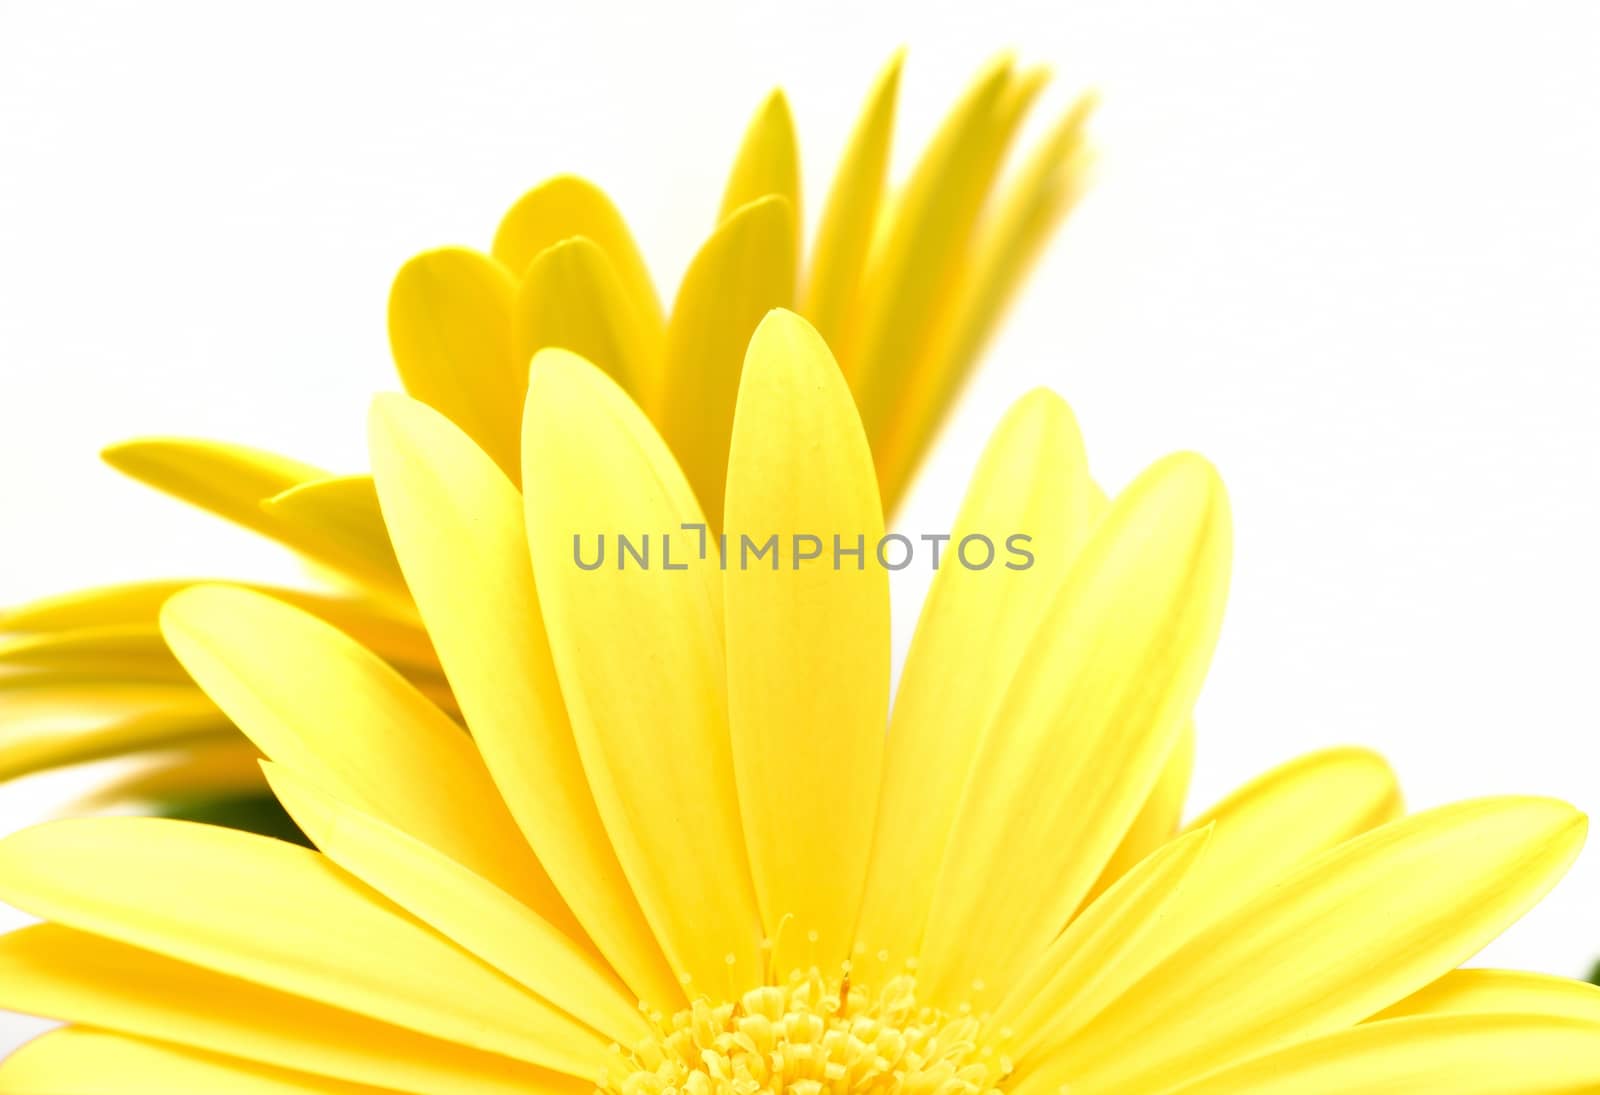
(1351, 252)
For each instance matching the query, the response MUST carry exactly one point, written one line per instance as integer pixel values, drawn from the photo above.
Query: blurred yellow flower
(678, 852)
(906, 288)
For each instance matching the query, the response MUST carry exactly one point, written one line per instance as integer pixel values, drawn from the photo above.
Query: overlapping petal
(94, 982)
(640, 659)
(935, 265)
(452, 512)
(976, 626)
(668, 758)
(1390, 911)
(284, 918)
(1084, 728)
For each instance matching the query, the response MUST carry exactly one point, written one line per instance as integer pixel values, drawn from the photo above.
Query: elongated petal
(850, 214)
(1158, 817)
(808, 642)
(1029, 209)
(639, 654)
(55, 722)
(1458, 1054)
(318, 702)
(976, 627)
(74, 694)
(567, 206)
(121, 652)
(467, 909)
(1091, 716)
(1102, 952)
(1004, 249)
(914, 272)
(457, 524)
(1501, 992)
(1277, 822)
(86, 1062)
(383, 629)
(123, 605)
(573, 297)
(25, 754)
(62, 974)
(283, 917)
(451, 334)
(745, 269)
(768, 163)
(1347, 935)
(339, 517)
(231, 481)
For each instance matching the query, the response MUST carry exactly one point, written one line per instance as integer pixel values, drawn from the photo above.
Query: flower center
(810, 1036)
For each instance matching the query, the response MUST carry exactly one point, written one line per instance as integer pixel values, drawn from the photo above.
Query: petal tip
(1190, 481)
(386, 405)
(192, 605)
(776, 107)
(556, 365)
(784, 341)
(122, 455)
(392, 416)
(1046, 404)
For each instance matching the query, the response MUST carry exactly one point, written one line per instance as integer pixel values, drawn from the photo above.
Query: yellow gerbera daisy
(906, 291)
(678, 852)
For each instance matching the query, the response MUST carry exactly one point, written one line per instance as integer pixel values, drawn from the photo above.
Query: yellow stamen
(814, 1035)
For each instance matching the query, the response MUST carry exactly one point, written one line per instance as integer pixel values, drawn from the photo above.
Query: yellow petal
(1004, 250)
(462, 906)
(236, 483)
(53, 723)
(119, 652)
(318, 702)
(768, 163)
(383, 629)
(850, 215)
(1102, 952)
(912, 275)
(71, 976)
(808, 642)
(82, 1062)
(567, 206)
(1458, 1054)
(1501, 992)
(1091, 716)
(339, 517)
(573, 297)
(1278, 821)
(230, 481)
(457, 524)
(397, 636)
(976, 625)
(124, 605)
(745, 269)
(283, 917)
(451, 334)
(639, 654)
(68, 669)
(1343, 937)
(25, 754)
(1158, 818)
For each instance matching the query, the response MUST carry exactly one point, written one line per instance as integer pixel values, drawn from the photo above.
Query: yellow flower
(678, 853)
(906, 291)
